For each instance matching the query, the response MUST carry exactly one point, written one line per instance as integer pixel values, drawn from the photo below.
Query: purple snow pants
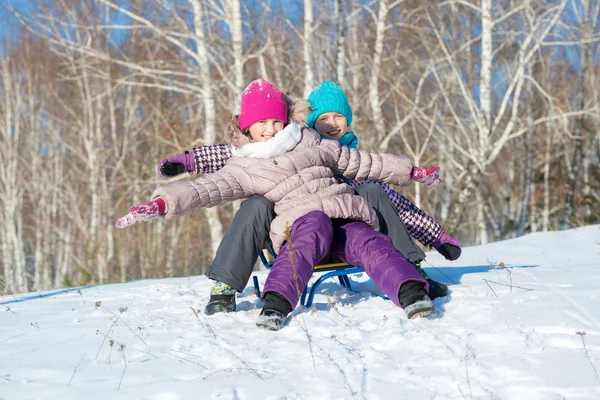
(315, 239)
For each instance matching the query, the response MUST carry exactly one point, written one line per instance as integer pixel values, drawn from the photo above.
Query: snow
(524, 329)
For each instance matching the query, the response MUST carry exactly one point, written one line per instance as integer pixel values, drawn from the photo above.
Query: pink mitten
(144, 212)
(427, 177)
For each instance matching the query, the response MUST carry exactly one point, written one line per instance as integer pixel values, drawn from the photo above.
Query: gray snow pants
(249, 232)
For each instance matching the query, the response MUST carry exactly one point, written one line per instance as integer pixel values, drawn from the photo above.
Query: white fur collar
(281, 143)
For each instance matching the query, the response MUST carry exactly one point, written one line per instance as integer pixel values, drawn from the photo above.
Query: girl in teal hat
(329, 114)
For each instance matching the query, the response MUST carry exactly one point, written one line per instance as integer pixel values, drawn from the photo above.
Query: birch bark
(309, 76)
(212, 215)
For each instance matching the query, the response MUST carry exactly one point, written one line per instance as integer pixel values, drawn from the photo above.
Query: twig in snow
(334, 307)
(349, 349)
(105, 336)
(486, 282)
(440, 271)
(122, 348)
(468, 379)
(111, 344)
(512, 286)
(288, 237)
(9, 309)
(234, 369)
(120, 344)
(246, 364)
(230, 352)
(312, 353)
(329, 318)
(185, 359)
(205, 322)
(76, 369)
(582, 335)
(122, 310)
(7, 290)
(5, 378)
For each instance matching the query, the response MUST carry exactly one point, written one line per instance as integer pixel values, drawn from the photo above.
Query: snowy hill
(522, 322)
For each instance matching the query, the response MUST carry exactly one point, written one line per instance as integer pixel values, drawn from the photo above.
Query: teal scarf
(348, 140)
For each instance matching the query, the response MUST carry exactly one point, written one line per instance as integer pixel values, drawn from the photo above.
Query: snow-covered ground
(522, 322)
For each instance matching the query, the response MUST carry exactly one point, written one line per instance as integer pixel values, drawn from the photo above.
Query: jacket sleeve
(211, 158)
(363, 165)
(206, 191)
(419, 224)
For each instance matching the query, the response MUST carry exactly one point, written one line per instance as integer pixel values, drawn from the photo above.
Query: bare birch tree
(476, 86)
(374, 99)
(12, 178)
(309, 77)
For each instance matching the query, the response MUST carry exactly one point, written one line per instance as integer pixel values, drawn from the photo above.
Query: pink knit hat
(262, 100)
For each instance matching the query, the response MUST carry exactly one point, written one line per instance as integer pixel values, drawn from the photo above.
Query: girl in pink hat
(317, 217)
(239, 249)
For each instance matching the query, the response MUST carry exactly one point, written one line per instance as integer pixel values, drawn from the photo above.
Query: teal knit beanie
(328, 97)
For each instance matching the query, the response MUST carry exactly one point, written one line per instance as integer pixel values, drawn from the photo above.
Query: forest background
(502, 94)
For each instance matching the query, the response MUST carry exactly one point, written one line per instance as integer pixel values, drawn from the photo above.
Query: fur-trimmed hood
(297, 112)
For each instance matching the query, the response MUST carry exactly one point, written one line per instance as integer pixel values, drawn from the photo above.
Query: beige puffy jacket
(299, 181)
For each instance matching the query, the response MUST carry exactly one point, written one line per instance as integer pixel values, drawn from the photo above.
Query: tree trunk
(308, 37)
(485, 81)
(578, 131)
(469, 184)
(11, 183)
(533, 113)
(505, 214)
(340, 34)
(481, 225)
(587, 189)
(237, 41)
(212, 215)
(546, 208)
(374, 99)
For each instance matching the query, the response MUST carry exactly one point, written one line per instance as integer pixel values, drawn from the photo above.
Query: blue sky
(9, 25)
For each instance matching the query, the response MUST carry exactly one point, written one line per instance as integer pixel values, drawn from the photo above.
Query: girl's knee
(377, 238)
(362, 234)
(316, 219)
(258, 205)
(317, 216)
(370, 189)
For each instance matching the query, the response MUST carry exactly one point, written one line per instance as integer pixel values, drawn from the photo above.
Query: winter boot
(414, 300)
(274, 312)
(222, 299)
(436, 289)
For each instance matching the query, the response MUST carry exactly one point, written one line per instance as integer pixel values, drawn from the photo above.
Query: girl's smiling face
(332, 125)
(264, 130)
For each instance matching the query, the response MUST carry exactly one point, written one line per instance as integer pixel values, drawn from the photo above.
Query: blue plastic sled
(341, 270)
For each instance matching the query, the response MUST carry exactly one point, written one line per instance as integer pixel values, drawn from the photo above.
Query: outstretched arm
(199, 160)
(419, 224)
(382, 167)
(179, 198)
(363, 165)
(205, 191)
